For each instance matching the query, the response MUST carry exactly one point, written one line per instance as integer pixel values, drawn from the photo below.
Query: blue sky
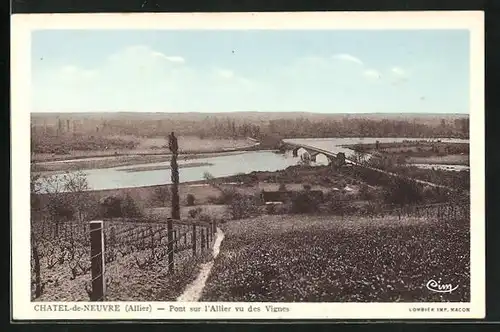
(335, 71)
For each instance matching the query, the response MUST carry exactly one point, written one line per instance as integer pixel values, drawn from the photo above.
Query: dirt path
(193, 291)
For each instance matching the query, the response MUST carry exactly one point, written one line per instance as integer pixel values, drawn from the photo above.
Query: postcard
(235, 166)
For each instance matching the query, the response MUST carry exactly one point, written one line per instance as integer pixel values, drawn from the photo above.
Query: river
(226, 165)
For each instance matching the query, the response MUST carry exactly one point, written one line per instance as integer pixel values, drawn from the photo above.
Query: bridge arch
(299, 151)
(322, 159)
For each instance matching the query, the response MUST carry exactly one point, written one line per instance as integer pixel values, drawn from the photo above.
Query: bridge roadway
(330, 155)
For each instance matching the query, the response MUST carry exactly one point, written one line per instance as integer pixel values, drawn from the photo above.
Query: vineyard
(350, 258)
(142, 260)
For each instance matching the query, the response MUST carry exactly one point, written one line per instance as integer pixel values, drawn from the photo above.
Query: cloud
(142, 55)
(367, 72)
(225, 73)
(348, 57)
(140, 78)
(174, 59)
(400, 72)
(69, 69)
(136, 78)
(400, 75)
(74, 73)
(372, 73)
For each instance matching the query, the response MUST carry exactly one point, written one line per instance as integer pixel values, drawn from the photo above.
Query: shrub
(403, 192)
(371, 209)
(59, 210)
(306, 187)
(241, 178)
(116, 207)
(304, 202)
(227, 196)
(435, 194)
(366, 193)
(217, 200)
(110, 207)
(193, 213)
(130, 208)
(333, 206)
(243, 206)
(190, 200)
(277, 209)
(282, 187)
(271, 208)
(205, 217)
(162, 195)
(208, 176)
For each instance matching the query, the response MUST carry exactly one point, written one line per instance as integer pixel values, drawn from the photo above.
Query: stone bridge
(339, 159)
(333, 158)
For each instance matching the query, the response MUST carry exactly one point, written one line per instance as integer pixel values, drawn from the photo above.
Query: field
(329, 259)
(454, 159)
(64, 147)
(419, 152)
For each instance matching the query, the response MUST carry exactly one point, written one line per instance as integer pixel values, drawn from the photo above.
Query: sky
(323, 71)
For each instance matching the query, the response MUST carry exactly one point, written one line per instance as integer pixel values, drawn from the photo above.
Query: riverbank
(65, 147)
(416, 152)
(162, 167)
(60, 166)
(156, 199)
(322, 178)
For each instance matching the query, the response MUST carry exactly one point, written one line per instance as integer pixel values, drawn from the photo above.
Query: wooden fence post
(193, 240)
(208, 238)
(170, 245)
(36, 261)
(152, 235)
(202, 238)
(175, 240)
(97, 260)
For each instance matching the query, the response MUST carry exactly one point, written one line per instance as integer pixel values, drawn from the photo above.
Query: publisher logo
(435, 286)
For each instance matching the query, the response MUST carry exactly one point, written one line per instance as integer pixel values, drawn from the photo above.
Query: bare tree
(358, 156)
(76, 184)
(174, 148)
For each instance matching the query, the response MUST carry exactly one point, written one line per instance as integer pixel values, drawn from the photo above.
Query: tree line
(230, 127)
